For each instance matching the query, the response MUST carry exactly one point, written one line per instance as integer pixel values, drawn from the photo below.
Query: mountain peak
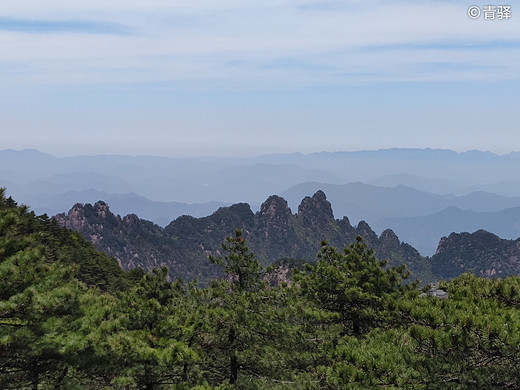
(184, 245)
(315, 211)
(273, 205)
(102, 209)
(364, 230)
(389, 237)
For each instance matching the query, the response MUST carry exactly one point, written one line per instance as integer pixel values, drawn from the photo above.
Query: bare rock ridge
(273, 233)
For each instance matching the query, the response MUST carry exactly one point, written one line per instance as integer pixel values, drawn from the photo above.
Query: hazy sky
(230, 77)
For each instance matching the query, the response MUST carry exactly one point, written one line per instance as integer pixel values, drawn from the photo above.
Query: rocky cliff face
(390, 247)
(481, 253)
(315, 212)
(89, 220)
(274, 235)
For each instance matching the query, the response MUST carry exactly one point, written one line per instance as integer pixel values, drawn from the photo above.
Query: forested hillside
(70, 318)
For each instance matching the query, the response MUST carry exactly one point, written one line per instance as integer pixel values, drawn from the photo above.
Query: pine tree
(252, 331)
(353, 285)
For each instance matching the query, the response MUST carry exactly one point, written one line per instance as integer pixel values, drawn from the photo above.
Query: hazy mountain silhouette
(369, 202)
(160, 213)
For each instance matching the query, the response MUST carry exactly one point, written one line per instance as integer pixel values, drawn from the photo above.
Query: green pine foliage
(354, 286)
(39, 303)
(470, 340)
(143, 334)
(45, 274)
(255, 335)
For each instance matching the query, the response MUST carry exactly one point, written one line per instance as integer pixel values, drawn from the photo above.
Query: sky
(237, 78)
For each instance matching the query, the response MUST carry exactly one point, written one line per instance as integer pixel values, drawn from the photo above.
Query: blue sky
(229, 77)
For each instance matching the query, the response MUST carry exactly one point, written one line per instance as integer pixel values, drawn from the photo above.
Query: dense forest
(71, 318)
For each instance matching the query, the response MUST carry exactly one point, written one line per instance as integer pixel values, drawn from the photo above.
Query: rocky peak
(184, 245)
(364, 230)
(100, 214)
(457, 239)
(75, 219)
(78, 207)
(389, 238)
(481, 253)
(443, 244)
(315, 211)
(237, 215)
(102, 209)
(346, 222)
(389, 244)
(88, 219)
(274, 205)
(274, 230)
(274, 211)
(77, 211)
(131, 220)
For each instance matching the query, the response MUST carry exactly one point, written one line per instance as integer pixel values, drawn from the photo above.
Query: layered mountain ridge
(275, 233)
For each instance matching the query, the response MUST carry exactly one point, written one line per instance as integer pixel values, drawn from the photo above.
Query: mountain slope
(480, 253)
(26, 238)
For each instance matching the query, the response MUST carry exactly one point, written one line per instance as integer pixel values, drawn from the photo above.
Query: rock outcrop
(480, 253)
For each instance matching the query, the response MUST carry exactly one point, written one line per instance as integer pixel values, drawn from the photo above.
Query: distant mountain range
(275, 233)
(465, 170)
(444, 187)
(421, 194)
(364, 201)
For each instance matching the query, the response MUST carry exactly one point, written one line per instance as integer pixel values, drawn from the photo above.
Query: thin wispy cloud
(65, 26)
(206, 36)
